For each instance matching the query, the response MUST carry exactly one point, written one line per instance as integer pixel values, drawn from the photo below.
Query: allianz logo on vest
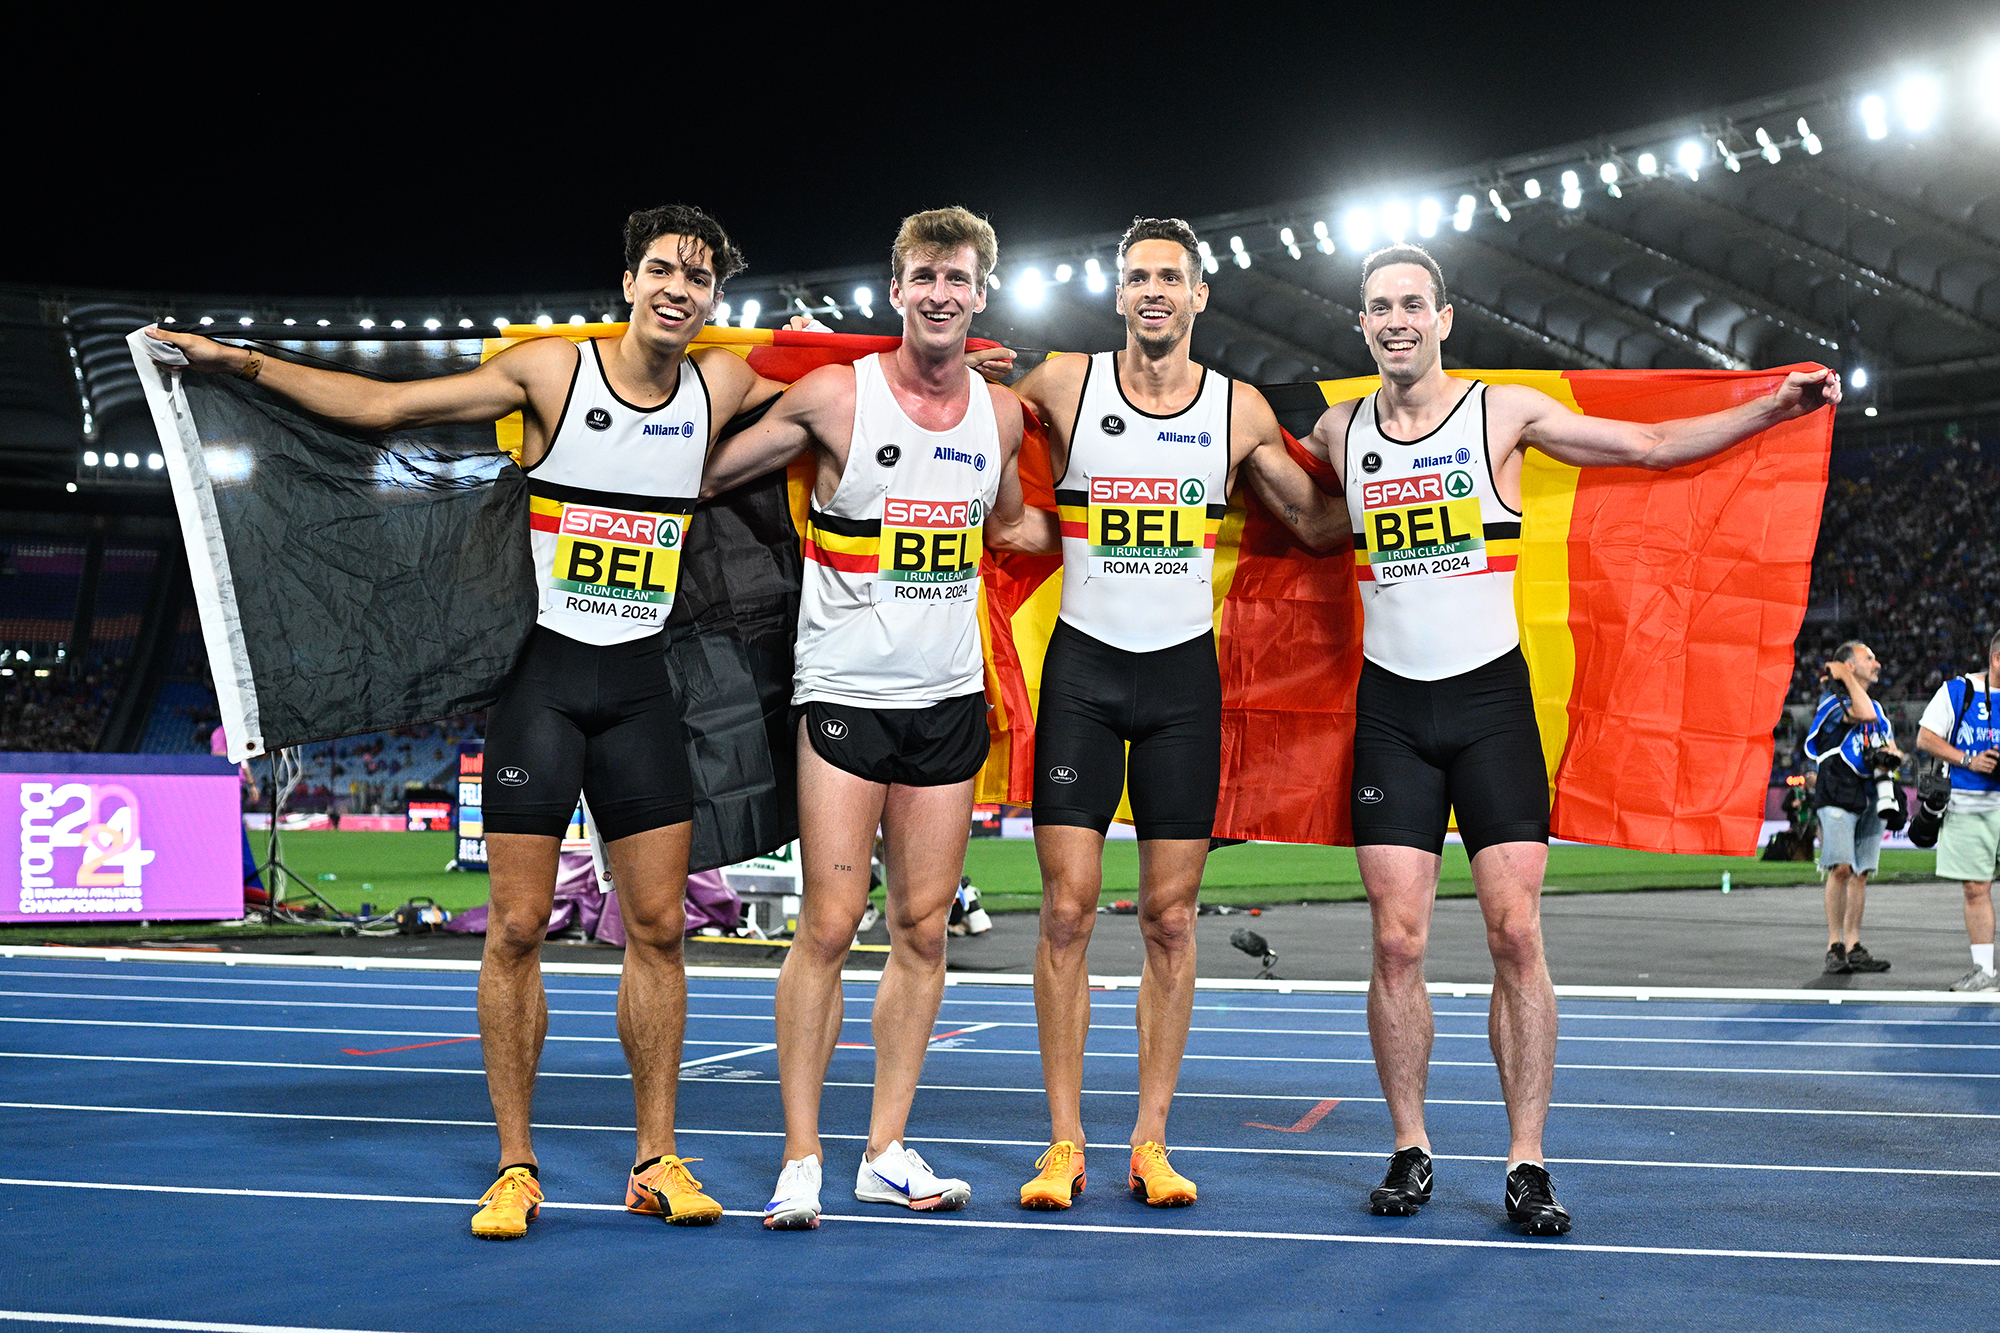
(977, 462)
(684, 428)
(1173, 437)
(1442, 460)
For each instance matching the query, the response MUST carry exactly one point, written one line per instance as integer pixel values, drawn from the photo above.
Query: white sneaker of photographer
(794, 1205)
(1976, 980)
(900, 1176)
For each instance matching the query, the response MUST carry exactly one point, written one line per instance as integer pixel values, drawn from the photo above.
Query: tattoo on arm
(1291, 513)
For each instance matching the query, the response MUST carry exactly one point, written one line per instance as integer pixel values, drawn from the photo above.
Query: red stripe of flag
(852, 564)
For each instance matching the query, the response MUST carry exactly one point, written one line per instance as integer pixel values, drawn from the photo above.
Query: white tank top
(1140, 502)
(610, 502)
(1434, 545)
(889, 610)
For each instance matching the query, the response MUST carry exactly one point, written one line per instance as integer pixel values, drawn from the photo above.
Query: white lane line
(758, 1049)
(122, 1321)
(476, 1071)
(994, 1143)
(250, 1027)
(1197, 1233)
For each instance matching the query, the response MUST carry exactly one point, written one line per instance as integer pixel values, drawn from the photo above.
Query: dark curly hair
(649, 224)
(1163, 229)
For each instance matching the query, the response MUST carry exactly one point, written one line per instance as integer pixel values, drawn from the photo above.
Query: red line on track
(1306, 1121)
(390, 1050)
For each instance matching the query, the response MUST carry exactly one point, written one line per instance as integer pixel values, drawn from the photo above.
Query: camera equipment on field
(1250, 942)
(1890, 801)
(1933, 795)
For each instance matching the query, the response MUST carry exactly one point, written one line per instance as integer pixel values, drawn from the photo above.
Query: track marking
(326, 1032)
(1198, 1233)
(391, 1050)
(121, 1321)
(1307, 1121)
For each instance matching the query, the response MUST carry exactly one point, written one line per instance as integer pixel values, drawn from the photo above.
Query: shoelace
(511, 1190)
(1151, 1154)
(1056, 1159)
(1537, 1190)
(677, 1171)
(1404, 1168)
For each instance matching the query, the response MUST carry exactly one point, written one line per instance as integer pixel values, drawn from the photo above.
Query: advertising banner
(90, 837)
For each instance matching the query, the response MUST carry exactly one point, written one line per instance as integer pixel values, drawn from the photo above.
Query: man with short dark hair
(1444, 717)
(1849, 731)
(613, 439)
(1146, 447)
(1959, 727)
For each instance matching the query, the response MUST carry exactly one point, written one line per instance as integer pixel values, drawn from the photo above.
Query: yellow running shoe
(1154, 1182)
(1061, 1178)
(664, 1188)
(505, 1210)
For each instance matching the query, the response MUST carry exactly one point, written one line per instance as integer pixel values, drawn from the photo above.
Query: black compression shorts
(933, 746)
(600, 719)
(1467, 743)
(1167, 705)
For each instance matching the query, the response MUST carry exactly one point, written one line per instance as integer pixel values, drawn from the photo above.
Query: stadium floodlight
(832, 307)
(500, 321)
(1243, 259)
(1917, 100)
(1807, 139)
(1285, 236)
(1093, 275)
(722, 312)
(1875, 116)
(1396, 220)
(864, 300)
(610, 318)
(90, 458)
(131, 460)
(1462, 219)
(1728, 158)
(577, 321)
(1357, 228)
(155, 462)
(543, 321)
(69, 486)
(1236, 245)
(1648, 165)
(1064, 272)
(1867, 411)
(395, 323)
(431, 324)
(322, 323)
(1325, 245)
(465, 323)
(1028, 288)
(751, 309)
(168, 320)
(1500, 209)
(246, 321)
(206, 320)
(290, 322)
(367, 323)
(1428, 212)
(1608, 173)
(1208, 260)
(1859, 379)
(1770, 148)
(1532, 188)
(1572, 189)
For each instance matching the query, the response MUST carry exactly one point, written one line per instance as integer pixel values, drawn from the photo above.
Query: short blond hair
(944, 231)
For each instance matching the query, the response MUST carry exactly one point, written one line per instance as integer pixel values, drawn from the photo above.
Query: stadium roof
(1854, 223)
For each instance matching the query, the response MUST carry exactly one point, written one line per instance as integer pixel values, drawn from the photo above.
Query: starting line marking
(1552, 1246)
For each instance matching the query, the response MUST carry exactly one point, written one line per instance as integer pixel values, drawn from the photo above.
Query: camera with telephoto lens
(1933, 797)
(1881, 763)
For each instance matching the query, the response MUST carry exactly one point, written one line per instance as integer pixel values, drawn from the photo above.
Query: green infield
(388, 869)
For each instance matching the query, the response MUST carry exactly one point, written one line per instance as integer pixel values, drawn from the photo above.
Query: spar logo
(100, 822)
(620, 525)
(931, 513)
(1146, 491)
(1457, 484)
(1406, 490)
(684, 428)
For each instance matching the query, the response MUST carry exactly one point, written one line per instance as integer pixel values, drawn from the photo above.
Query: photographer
(1852, 745)
(1959, 727)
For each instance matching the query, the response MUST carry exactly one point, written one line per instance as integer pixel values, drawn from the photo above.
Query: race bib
(930, 551)
(617, 563)
(1147, 527)
(1423, 527)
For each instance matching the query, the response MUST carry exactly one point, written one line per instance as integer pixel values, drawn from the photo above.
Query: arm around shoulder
(793, 425)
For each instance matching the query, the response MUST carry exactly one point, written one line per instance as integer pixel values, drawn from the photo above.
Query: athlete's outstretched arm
(790, 428)
(1598, 442)
(494, 390)
(1317, 519)
(1014, 524)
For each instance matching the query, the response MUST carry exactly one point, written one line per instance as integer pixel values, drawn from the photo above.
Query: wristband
(252, 368)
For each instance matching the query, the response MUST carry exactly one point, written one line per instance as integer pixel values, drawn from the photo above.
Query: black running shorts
(1469, 743)
(600, 719)
(1097, 700)
(932, 746)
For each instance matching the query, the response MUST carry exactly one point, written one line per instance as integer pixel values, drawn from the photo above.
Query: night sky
(480, 160)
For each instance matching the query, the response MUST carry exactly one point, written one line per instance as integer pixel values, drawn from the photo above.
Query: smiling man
(914, 473)
(1445, 722)
(613, 439)
(1147, 446)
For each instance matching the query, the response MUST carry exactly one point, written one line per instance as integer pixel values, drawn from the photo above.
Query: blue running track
(194, 1146)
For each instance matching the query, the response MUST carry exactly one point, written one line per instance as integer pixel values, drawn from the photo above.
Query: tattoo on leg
(841, 867)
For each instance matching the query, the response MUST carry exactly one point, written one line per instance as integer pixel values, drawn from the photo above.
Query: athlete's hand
(993, 363)
(1806, 391)
(203, 354)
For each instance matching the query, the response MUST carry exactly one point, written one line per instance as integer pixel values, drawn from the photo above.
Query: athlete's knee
(657, 925)
(1399, 946)
(1067, 920)
(919, 940)
(1515, 939)
(1170, 927)
(517, 934)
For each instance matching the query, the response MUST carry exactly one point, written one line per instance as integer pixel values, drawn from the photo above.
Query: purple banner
(108, 845)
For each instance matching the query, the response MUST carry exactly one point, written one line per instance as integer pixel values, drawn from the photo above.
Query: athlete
(1431, 467)
(613, 440)
(1146, 446)
(915, 472)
